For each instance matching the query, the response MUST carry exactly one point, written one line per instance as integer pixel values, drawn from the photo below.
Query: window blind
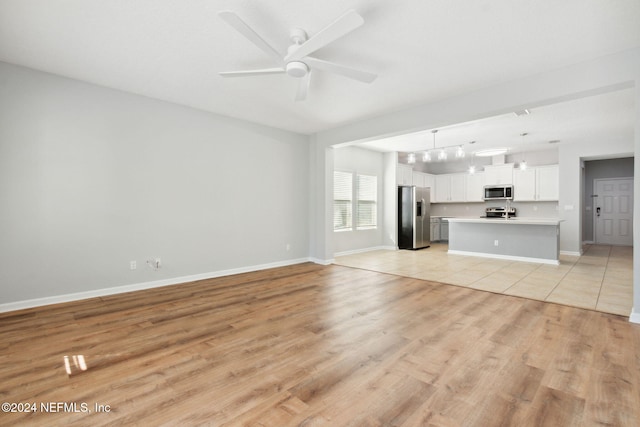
(367, 190)
(342, 200)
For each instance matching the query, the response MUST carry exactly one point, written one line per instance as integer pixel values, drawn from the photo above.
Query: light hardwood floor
(317, 345)
(601, 279)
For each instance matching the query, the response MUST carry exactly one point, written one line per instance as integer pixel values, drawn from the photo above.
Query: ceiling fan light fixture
(297, 69)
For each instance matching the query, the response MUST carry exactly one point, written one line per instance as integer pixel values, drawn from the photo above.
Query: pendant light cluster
(440, 154)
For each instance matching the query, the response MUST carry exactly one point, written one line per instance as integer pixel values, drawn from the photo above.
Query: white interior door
(614, 211)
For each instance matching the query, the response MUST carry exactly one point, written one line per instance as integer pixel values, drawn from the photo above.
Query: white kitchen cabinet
(443, 192)
(475, 187)
(418, 179)
(430, 182)
(435, 230)
(536, 184)
(524, 185)
(548, 182)
(498, 174)
(450, 188)
(404, 174)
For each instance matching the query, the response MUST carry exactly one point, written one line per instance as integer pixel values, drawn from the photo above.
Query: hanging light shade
(426, 156)
(442, 155)
(460, 152)
(523, 162)
(411, 159)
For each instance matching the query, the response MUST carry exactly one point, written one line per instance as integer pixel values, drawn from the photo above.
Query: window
(342, 200)
(365, 205)
(367, 190)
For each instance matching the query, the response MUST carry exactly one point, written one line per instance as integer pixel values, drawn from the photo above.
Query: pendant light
(472, 161)
(442, 154)
(411, 159)
(523, 162)
(426, 157)
(472, 164)
(460, 152)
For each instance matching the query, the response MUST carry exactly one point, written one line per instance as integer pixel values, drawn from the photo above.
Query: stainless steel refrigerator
(414, 219)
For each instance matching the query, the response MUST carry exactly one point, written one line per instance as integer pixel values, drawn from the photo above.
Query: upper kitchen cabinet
(475, 187)
(421, 179)
(536, 184)
(451, 188)
(404, 174)
(498, 174)
(548, 182)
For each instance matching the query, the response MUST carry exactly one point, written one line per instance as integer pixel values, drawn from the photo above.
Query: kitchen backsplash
(523, 209)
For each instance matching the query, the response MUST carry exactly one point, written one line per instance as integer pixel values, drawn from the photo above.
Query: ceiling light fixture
(523, 163)
(524, 112)
(460, 152)
(472, 164)
(426, 157)
(411, 159)
(491, 152)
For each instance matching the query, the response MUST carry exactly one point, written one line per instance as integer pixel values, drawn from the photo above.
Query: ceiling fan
(297, 62)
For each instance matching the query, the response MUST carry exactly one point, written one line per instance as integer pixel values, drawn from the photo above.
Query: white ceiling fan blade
(303, 87)
(341, 26)
(331, 67)
(247, 73)
(234, 20)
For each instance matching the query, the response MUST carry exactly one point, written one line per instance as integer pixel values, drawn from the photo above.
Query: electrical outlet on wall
(155, 263)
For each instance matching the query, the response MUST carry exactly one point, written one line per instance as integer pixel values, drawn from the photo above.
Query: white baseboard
(359, 251)
(635, 316)
(57, 299)
(507, 257)
(322, 261)
(571, 253)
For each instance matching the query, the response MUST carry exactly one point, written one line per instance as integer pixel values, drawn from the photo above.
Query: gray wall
(92, 178)
(598, 169)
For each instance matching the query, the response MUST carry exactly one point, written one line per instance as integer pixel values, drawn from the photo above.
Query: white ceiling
(600, 118)
(423, 51)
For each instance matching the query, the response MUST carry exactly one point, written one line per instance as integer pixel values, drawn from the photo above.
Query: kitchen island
(518, 239)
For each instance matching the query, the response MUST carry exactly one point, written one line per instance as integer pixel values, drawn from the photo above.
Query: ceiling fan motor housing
(297, 69)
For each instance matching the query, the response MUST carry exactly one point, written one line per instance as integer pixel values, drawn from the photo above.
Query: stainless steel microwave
(498, 192)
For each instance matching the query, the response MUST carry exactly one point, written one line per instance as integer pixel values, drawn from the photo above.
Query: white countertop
(512, 221)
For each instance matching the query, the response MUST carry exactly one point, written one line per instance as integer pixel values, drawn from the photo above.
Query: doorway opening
(608, 206)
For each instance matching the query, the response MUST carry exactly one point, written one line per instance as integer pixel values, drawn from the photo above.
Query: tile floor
(601, 279)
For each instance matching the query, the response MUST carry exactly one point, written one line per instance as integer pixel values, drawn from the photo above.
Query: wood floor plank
(321, 345)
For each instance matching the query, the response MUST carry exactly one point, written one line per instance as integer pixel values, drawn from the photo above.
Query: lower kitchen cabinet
(435, 230)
